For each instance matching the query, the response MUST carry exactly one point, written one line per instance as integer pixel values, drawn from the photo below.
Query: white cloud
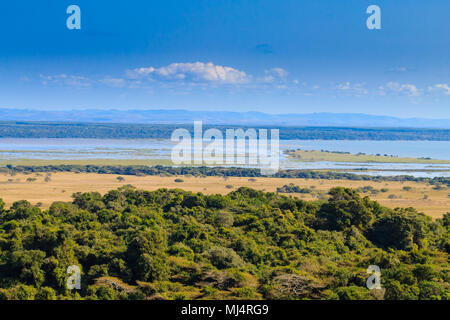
(399, 88)
(68, 80)
(445, 88)
(176, 74)
(274, 74)
(113, 82)
(280, 72)
(352, 88)
(140, 72)
(197, 72)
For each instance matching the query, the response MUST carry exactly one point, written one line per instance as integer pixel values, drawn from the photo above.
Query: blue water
(79, 149)
(411, 149)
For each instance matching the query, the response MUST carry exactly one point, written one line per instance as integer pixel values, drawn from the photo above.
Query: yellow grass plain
(62, 185)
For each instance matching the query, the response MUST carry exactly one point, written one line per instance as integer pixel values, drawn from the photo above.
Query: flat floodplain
(385, 158)
(318, 156)
(60, 187)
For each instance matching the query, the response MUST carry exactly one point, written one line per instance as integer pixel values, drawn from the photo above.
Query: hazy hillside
(220, 117)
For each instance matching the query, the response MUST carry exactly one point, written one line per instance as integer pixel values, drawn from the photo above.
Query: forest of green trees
(173, 244)
(35, 129)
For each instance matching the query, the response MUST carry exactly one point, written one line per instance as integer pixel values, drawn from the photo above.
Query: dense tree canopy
(36, 129)
(173, 244)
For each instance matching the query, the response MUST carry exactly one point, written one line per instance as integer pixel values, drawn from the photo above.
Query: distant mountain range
(220, 118)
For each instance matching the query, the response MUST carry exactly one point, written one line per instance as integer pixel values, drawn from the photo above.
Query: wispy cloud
(274, 74)
(399, 88)
(442, 87)
(400, 70)
(67, 80)
(357, 89)
(185, 77)
(77, 81)
(113, 82)
(280, 72)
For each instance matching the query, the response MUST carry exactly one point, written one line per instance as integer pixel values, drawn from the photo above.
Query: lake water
(411, 149)
(79, 149)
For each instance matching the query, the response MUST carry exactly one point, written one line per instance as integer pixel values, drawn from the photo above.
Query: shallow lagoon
(79, 149)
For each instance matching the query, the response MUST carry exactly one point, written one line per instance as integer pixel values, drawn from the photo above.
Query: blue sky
(270, 56)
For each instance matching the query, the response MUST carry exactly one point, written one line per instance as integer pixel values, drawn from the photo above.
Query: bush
(354, 293)
(424, 272)
(345, 209)
(224, 219)
(222, 258)
(399, 229)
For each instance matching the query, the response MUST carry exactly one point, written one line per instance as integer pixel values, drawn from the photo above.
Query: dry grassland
(62, 185)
